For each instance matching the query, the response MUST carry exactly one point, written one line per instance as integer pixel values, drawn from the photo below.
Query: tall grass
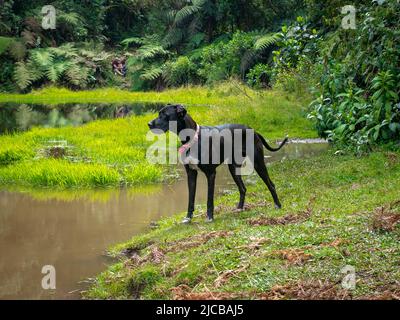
(112, 152)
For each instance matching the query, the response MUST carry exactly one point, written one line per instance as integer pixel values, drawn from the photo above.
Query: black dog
(182, 121)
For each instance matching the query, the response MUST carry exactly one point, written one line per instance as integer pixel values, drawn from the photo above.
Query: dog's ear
(181, 111)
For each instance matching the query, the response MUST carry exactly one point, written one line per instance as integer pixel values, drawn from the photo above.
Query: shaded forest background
(296, 46)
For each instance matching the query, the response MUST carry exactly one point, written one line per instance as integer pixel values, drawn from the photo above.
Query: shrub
(358, 103)
(260, 76)
(180, 72)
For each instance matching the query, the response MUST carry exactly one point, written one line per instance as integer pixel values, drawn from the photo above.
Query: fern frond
(77, 75)
(173, 37)
(133, 41)
(188, 11)
(66, 50)
(150, 51)
(22, 76)
(152, 74)
(55, 71)
(247, 60)
(266, 41)
(71, 18)
(17, 50)
(42, 57)
(29, 37)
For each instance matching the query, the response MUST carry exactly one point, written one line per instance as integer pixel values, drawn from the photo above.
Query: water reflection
(21, 117)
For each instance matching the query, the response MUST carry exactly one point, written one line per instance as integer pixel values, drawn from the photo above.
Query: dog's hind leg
(192, 182)
(239, 182)
(261, 169)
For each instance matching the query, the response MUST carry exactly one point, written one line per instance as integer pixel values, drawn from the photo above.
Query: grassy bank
(112, 152)
(338, 211)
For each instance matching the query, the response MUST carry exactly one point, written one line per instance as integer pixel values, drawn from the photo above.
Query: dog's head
(167, 114)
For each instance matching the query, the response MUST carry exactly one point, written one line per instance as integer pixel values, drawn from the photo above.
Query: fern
(152, 74)
(55, 71)
(22, 76)
(66, 50)
(133, 41)
(64, 65)
(42, 57)
(266, 41)
(188, 11)
(70, 18)
(17, 50)
(173, 37)
(261, 45)
(147, 52)
(77, 76)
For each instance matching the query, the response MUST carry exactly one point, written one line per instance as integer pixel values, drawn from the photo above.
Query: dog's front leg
(210, 195)
(192, 182)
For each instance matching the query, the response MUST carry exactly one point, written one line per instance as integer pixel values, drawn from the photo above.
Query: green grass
(342, 193)
(112, 152)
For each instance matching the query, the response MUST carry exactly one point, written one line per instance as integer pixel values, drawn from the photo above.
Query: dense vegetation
(353, 74)
(269, 64)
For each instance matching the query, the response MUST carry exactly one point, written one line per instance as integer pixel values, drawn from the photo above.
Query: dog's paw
(186, 221)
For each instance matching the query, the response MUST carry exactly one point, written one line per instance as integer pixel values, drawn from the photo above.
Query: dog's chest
(192, 163)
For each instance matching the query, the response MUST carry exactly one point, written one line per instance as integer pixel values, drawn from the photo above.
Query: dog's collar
(184, 148)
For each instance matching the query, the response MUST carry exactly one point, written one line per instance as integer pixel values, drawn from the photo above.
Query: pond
(72, 229)
(21, 117)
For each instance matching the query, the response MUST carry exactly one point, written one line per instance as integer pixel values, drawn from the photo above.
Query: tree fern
(261, 45)
(266, 41)
(133, 41)
(70, 18)
(173, 37)
(188, 11)
(152, 73)
(151, 51)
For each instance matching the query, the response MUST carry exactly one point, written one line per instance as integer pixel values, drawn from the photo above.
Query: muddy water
(71, 231)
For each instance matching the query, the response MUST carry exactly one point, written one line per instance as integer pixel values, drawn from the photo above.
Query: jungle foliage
(296, 46)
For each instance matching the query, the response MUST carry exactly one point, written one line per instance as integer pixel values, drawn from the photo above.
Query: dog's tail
(265, 143)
